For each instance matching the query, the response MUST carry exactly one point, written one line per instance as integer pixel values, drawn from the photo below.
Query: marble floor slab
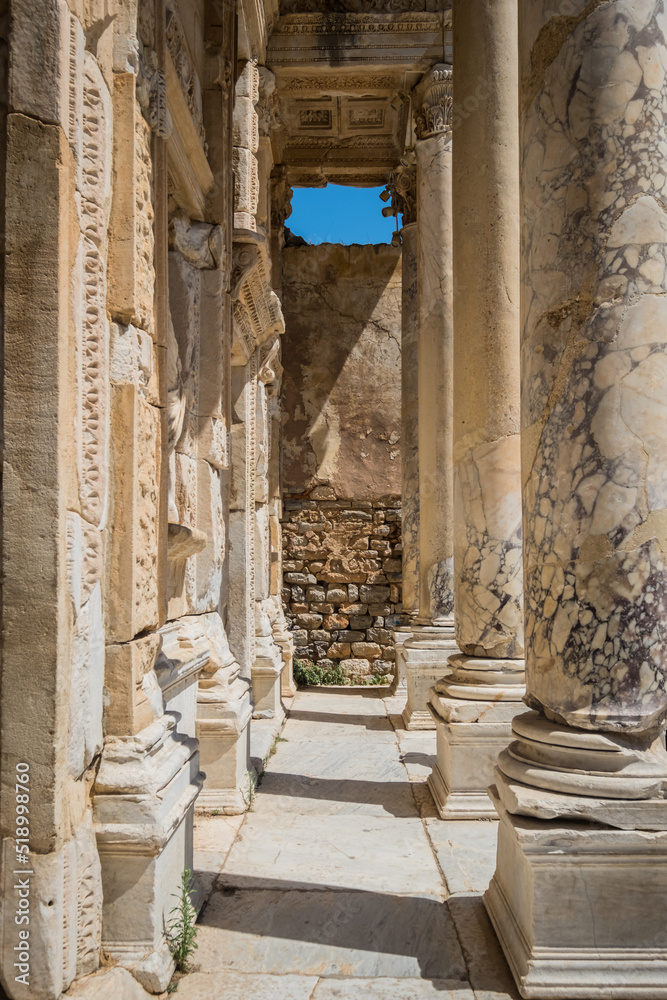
(330, 887)
(240, 986)
(391, 989)
(466, 851)
(353, 851)
(364, 934)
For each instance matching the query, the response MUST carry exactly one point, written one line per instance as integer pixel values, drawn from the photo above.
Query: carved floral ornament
(435, 99)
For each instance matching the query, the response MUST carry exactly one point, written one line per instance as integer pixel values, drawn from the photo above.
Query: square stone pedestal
(580, 909)
(470, 735)
(267, 672)
(143, 810)
(223, 731)
(426, 653)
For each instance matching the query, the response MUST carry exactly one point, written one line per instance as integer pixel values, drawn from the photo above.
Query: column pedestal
(580, 908)
(426, 655)
(267, 669)
(473, 711)
(143, 809)
(400, 682)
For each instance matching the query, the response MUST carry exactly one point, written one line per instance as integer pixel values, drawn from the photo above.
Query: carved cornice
(363, 6)
(353, 24)
(402, 189)
(434, 99)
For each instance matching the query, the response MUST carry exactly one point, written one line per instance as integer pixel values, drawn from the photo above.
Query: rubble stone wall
(342, 579)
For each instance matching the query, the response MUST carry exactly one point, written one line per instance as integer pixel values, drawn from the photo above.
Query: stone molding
(435, 100)
(402, 189)
(364, 6)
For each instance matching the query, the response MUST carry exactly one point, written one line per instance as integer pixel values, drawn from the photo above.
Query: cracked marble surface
(594, 353)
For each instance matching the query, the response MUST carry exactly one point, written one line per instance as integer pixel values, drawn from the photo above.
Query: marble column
(579, 898)
(474, 706)
(402, 189)
(432, 641)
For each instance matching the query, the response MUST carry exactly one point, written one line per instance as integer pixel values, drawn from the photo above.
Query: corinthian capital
(434, 98)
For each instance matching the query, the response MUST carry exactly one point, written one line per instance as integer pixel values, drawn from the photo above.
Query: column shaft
(435, 378)
(475, 704)
(593, 100)
(410, 423)
(425, 654)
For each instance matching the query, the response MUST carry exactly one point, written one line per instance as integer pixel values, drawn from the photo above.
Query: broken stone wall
(342, 580)
(341, 403)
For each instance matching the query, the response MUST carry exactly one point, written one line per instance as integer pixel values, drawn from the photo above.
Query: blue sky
(337, 214)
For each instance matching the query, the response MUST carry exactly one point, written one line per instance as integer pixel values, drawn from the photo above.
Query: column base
(427, 652)
(143, 807)
(473, 712)
(580, 909)
(267, 672)
(399, 684)
(287, 682)
(466, 755)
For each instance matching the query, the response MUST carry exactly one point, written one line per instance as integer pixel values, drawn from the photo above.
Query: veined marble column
(581, 907)
(402, 188)
(474, 707)
(432, 641)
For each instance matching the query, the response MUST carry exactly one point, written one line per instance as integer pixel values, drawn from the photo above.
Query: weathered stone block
(367, 650)
(333, 622)
(135, 589)
(373, 594)
(340, 650)
(132, 694)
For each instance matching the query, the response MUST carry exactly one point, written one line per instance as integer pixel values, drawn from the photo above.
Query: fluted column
(432, 642)
(593, 101)
(475, 705)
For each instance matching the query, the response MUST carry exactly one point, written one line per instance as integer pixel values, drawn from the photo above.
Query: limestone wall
(342, 579)
(342, 356)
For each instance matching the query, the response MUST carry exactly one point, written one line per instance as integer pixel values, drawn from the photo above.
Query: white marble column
(474, 707)
(579, 898)
(402, 189)
(432, 641)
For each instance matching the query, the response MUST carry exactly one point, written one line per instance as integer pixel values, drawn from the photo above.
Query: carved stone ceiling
(344, 70)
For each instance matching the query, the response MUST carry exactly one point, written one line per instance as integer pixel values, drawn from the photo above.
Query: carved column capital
(402, 189)
(434, 98)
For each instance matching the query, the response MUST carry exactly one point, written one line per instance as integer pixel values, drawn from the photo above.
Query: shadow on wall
(341, 395)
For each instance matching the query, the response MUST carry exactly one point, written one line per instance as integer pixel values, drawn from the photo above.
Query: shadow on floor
(314, 930)
(425, 759)
(377, 723)
(395, 797)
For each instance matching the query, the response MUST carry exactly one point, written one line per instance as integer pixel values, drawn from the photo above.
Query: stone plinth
(400, 680)
(473, 710)
(426, 655)
(571, 921)
(143, 810)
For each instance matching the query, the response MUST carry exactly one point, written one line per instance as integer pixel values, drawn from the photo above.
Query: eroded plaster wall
(341, 453)
(341, 395)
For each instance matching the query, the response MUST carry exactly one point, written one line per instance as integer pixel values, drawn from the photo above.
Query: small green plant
(308, 674)
(182, 927)
(252, 787)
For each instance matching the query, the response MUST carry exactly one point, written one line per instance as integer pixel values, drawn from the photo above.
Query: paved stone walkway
(341, 883)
